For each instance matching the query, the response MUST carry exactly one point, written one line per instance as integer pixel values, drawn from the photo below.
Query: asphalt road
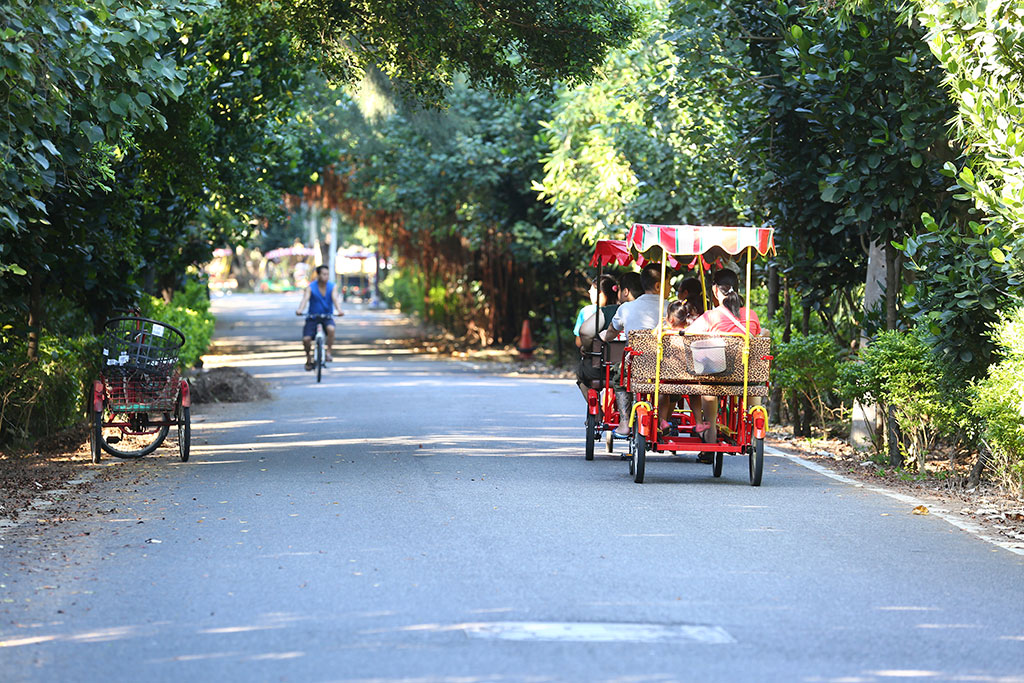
(413, 519)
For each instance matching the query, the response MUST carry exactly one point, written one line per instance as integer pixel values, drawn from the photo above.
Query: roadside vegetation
(482, 156)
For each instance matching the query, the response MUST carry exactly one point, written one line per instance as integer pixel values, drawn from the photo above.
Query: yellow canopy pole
(661, 323)
(703, 285)
(746, 337)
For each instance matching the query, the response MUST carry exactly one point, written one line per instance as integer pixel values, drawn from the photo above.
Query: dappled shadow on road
(555, 438)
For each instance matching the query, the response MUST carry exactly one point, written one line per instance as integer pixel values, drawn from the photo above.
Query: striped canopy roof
(690, 240)
(607, 252)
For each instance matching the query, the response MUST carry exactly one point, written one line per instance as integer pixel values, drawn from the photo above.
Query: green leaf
(997, 255)
(916, 160)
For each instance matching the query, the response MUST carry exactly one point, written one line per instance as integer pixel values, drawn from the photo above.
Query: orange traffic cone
(525, 346)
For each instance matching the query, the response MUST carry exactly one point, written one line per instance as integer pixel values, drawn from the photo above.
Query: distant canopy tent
(275, 254)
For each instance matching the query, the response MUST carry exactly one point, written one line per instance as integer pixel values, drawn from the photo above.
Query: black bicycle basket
(132, 345)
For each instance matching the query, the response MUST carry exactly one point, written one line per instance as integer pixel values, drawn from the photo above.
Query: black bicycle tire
(184, 433)
(96, 436)
(130, 455)
(319, 358)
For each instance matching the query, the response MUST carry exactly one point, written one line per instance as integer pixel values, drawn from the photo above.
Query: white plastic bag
(708, 356)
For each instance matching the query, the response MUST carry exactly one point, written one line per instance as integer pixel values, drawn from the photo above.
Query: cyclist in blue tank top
(322, 297)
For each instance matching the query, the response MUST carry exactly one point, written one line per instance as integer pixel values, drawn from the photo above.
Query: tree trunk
(794, 416)
(787, 313)
(806, 416)
(805, 323)
(558, 330)
(892, 289)
(974, 478)
(894, 439)
(775, 399)
(35, 316)
(773, 291)
(866, 418)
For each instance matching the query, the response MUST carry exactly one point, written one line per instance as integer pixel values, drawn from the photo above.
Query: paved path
(410, 519)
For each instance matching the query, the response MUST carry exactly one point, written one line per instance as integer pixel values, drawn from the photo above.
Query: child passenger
(678, 316)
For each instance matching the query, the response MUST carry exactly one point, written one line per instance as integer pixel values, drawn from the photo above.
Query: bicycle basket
(140, 344)
(135, 391)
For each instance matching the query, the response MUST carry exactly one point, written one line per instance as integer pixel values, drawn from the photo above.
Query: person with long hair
(728, 316)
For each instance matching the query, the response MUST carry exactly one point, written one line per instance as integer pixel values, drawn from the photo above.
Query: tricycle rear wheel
(138, 445)
(96, 436)
(184, 432)
(716, 465)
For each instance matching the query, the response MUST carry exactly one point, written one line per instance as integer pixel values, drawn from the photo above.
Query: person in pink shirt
(727, 317)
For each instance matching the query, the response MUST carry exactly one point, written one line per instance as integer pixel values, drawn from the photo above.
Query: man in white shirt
(642, 313)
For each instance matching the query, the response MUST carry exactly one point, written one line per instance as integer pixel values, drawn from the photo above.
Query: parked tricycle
(140, 395)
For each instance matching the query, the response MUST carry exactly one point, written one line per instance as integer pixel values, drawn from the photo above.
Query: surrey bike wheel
(639, 455)
(134, 437)
(716, 464)
(591, 435)
(756, 461)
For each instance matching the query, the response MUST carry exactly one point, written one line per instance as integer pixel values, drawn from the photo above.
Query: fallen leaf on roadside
(920, 510)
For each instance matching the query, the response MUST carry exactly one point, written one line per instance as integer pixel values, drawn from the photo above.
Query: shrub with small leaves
(808, 366)
(43, 397)
(189, 311)
(999, 402)
(900, 372)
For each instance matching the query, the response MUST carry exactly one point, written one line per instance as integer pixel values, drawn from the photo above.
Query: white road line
(942, 513)
(595, 632)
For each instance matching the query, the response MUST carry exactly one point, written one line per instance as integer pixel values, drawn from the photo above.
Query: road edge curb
(942, 513)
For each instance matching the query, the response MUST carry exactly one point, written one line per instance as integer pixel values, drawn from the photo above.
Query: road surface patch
(596, 632)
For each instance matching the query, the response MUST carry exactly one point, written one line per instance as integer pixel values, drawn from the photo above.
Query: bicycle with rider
(321, 296)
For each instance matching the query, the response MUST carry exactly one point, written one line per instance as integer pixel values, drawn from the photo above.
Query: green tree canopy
(503, 46)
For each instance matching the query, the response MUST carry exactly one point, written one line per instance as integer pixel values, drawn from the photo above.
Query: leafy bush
(900, 373)
(37, 399)
(189, 311)
(404, 287)
(808, 366)
(999, 402)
